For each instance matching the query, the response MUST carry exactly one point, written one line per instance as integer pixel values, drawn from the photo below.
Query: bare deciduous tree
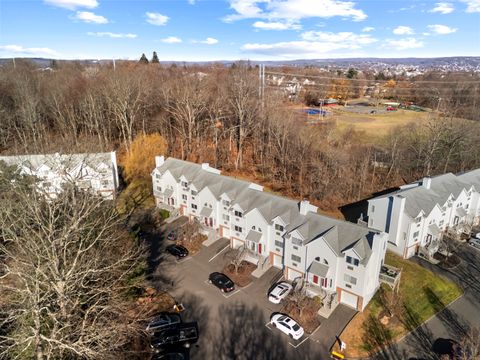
(67, 268)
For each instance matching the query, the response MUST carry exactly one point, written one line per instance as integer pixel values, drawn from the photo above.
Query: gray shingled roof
(419, 198)
(58, 161)
(340, 235)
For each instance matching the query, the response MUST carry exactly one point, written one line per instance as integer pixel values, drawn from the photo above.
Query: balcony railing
(390, 275)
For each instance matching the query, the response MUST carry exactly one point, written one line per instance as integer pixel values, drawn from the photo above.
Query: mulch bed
(243, 277)
(193, 244)
(309, 319)
(447, 263)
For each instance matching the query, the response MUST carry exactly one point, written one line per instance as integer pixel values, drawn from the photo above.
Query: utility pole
(113, 64)
(14, 65)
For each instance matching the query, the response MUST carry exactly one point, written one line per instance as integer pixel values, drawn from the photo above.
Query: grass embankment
(423, 294)
(138, 194)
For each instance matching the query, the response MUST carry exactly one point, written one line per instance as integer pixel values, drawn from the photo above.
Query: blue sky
(199, 30)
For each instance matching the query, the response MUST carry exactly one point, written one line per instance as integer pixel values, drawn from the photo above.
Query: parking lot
(226, 320)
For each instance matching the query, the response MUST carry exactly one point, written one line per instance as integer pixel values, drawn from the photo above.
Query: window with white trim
(225, 217)
(350, 279)
(194, 206)
(238, 228)
(296, 258)
(296, 241)
(238, 213)
(184, 197)
(279, 227)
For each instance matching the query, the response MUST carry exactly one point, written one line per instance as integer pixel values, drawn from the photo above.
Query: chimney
(206, 167)
(427, 182)
(159, 160)
(306, 207)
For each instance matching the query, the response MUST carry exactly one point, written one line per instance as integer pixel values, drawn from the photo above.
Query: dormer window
(184, 184)
(238, 213)
(279, 227)
(226, 203)
(193, 192)
(418, 219)
(353, 261)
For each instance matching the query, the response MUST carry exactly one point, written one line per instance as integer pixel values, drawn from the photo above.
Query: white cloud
(368, 29)
(403, 30)
(191, 2)
(472, 5)
(171, 40)
(293, 10)
(33, 51)
(113, 35)
(403, 44)
(275, 25)
(348, 39)
(443, 8)
(90, 17)
(156, 18)
(208, 41)
(441, 29)
(73, 4)
(313, 44)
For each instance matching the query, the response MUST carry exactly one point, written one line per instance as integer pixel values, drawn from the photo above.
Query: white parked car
(287, 325)
(477, 235)
(279, 292)
(475, 243)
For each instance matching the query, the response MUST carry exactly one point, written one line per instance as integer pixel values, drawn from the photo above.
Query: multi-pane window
(238, 228)
(238, 213)
(418, 219)
(279, 243)
(194, 206)
(278, 227)
(159, 188)
(350, 279)
(193, 192)
(296, 258)
(184, 197)
(225, 217)
(226, 203)
(296, 241)
(184, 184)
(373, 208)
(353, 261)
(415, 234)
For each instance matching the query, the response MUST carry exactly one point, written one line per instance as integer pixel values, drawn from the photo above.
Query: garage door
(349, 299)
(293, 274)
(277, 261)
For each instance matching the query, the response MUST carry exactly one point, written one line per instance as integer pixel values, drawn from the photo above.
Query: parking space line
(184, 259)
(229, 295)
(226, 246)
(300, 343)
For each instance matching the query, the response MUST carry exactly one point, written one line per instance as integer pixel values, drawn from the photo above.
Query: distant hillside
(457, 63)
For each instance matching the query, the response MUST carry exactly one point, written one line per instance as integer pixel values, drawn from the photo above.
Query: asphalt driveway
(451, 323)
(235, 325)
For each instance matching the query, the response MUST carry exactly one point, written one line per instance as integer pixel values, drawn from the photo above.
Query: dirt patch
(308, 318)
(244, 275)
(447, 262)
(192, 243)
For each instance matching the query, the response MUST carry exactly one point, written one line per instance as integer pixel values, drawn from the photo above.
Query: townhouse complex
(330, 256)
(93, 172)
(419, 214)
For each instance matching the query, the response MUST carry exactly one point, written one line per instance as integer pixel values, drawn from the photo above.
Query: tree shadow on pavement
(420, 339)
(455, 325)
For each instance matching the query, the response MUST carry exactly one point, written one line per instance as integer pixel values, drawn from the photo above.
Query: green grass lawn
(423, 293)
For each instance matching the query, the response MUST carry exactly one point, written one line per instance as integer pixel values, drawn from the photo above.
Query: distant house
(331, 257)
(93, 172)
(417, 215)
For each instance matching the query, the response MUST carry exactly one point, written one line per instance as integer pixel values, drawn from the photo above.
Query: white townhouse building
(94, 172)
(417, 215)
(332, 257)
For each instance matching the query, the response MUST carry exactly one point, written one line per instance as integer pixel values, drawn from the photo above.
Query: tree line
(215, 114)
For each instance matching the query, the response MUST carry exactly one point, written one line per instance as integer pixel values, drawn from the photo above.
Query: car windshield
(296, 327)
(282, 318)
(283, 291)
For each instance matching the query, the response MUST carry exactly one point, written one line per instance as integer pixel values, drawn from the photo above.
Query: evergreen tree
(352, 73)
(155, 58)
(143, 59)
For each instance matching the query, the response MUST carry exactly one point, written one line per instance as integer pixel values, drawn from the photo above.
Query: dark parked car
(177, 250)
(179, 334)
(221, 281)
(173, 353)
(163, 320)
(171, 236)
